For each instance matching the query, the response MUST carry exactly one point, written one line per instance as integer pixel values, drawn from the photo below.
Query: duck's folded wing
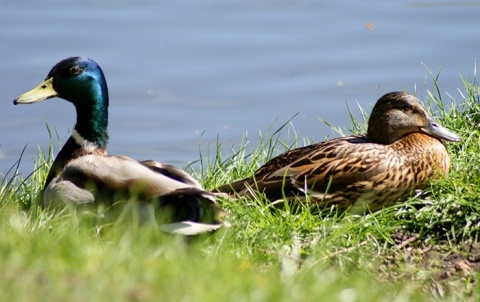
(345, 168)
(333, 167)
(122, 173)
(172, 172)
(243, 186)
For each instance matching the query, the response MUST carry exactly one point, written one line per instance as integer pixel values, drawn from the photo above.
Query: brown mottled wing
(345, 161)
(334, 164)
(271, 166)
(284, 160)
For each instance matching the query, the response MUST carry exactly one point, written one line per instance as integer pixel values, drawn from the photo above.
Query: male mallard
(401, 151)
(83, 173)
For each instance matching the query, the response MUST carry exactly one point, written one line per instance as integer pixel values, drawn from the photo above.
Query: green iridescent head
(80, 81)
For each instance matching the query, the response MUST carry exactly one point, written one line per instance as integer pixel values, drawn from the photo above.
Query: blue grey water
(183, 73)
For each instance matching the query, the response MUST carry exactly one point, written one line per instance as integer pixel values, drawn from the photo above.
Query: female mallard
(401, 151)
(83, 173)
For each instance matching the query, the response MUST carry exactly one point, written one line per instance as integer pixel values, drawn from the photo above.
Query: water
(182, 73)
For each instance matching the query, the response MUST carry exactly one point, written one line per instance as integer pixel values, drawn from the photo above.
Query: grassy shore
(425, 249)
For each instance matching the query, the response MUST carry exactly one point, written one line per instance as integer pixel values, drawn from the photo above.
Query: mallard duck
(83, 173)
(401, 152)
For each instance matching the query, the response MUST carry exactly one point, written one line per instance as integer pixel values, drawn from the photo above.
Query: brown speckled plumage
(401, 151)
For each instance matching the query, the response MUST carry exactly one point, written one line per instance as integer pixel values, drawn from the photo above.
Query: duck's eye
(408, 108)
(75, 70)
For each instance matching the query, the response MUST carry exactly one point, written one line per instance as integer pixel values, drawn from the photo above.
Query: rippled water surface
(182, 73)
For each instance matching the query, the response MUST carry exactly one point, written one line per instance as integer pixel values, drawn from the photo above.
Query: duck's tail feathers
(189, 228)
(191, 205)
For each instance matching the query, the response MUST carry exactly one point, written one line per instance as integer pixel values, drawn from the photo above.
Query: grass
(425, 249)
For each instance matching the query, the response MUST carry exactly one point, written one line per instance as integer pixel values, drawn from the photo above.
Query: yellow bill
(41, 92)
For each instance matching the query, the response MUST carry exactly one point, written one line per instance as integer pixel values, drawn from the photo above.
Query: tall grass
(426, 248)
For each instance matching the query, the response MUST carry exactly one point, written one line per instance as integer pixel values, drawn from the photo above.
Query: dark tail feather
(190, 204)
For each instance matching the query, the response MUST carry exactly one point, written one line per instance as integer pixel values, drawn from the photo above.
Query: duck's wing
(331, 165)
(121, 173)
(275, 164)
(172, 172)
(342, 165)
